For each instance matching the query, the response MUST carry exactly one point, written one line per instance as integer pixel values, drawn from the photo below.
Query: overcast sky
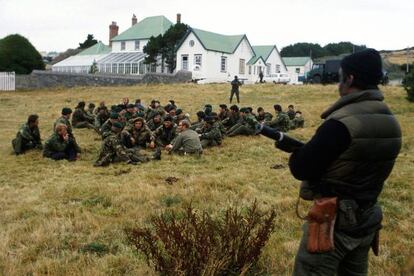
(61, 24)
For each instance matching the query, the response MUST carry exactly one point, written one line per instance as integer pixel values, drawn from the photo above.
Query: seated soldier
(155, 122)
(298, 121)
(291, 112)
(80, 119)
(112, 150)
(200, 120)
(131, 112)
(61, 145)
(187, 142)
(246, 126)
(107, 126)
(165, 134)
(91, 110)
(263, 116)
(210, 134)
(233, 118)
(101, 117)
(137, 134)
(28, 136)
(100, 107)
(224, 112)
(281, 122)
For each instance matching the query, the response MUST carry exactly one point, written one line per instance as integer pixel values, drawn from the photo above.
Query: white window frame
(182, 62)
(198, 59)
(297, 70)
(137, 44)
(223, 64)
(268, 69)
(277, 68)
(250, 69)
(242, 66)
(123, 45)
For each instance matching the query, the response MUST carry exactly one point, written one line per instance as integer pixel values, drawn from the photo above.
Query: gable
(149, 26)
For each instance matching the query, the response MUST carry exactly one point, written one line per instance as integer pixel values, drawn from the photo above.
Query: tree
(18, 54)
(408, 84)
(94, 68)
(165, 46)
(303, 49)
(88, 42)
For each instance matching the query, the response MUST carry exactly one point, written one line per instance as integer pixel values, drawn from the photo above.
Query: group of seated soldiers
(128, 129)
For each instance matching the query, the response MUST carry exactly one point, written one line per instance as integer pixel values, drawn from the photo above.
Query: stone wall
(46, 79)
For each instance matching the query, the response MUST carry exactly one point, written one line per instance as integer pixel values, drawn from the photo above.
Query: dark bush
(195, 243)
(18, 54)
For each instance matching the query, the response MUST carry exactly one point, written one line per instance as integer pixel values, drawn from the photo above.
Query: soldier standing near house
(235, 84)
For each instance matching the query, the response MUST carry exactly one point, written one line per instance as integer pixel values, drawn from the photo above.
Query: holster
(321, 221)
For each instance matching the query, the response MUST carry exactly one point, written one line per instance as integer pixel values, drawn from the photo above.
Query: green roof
(254, 59)
(296, 61)
(149, 26)
(218, 42)
(97, 49)
(263, 51)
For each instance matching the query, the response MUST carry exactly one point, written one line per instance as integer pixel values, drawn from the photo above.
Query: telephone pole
(408, 60)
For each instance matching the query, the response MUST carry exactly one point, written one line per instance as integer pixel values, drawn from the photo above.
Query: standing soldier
(281, 122)
(343, 168)
(28, 136)
(235, 84)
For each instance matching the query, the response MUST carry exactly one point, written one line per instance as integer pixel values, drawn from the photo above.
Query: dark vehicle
(327, 72)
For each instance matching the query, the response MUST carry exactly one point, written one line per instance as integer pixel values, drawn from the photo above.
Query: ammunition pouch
(321, 223)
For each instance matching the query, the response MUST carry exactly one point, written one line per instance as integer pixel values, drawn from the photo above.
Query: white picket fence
(7, 81)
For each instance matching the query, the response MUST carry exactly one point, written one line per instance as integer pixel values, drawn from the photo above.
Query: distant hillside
(399, 56)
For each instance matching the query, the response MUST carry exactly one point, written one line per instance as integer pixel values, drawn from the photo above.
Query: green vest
(359, 173)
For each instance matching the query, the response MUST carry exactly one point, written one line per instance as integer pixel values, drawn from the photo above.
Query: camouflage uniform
(26, 138)
(246, 127)
(57, 148)
(63, 121)
(106, 129)
(153, 125)
(100, 119)
(232, 120)
(297, 122)
(210, 136)
(82, 120)
(266, 117)
(291, 114)
(128, 115)
(112, 150)
(151, 112)
(141, 136)
(281, 122)
(165, 136)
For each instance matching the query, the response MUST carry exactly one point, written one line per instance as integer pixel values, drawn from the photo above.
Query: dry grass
(399, 57)
(63, 218)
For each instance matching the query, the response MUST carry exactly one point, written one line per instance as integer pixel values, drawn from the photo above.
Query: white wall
(303, 69)
(129, 46)
(211, 61)
(275, 59)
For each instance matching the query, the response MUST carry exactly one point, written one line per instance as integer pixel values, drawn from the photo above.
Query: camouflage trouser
(240, 129)
(350, 256)
(237, 96)
(206, 143)
(20, 145)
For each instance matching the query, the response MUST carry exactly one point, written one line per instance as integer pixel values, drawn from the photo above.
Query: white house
(213, 57)
(82, 62)
(299, 66)
(267, 59)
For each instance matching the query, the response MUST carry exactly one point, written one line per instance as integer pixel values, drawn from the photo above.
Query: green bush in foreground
(192, 243)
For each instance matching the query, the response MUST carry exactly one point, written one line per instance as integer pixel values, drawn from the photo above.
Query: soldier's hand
(133, 141)
(152, 145)
(168, 147)
(77, 156)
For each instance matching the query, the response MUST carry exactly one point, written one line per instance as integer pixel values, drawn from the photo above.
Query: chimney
(178, 18)
(134, 20)
(113, 31)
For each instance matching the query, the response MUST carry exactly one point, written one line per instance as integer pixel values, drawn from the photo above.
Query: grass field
(53, 213)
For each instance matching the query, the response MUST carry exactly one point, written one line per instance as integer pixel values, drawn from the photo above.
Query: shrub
(18, 54)
(408, 84)
(188, 242)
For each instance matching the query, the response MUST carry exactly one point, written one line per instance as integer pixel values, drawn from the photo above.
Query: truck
(324, 72)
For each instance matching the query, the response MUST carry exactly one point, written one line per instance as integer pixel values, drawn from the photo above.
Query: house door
(184, 62)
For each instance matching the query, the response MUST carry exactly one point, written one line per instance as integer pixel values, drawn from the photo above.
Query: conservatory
(131, 63)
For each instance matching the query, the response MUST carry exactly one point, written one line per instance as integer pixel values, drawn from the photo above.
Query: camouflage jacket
(164, 136)
(153, 125)
(233, 119)
(80, 115)
(112, 148)
(209, 132)
(26, 138)
(281, 122)
(151, 112)
(297, 122)
(141, 136)
(250, 121)
(265, 117)
(55, 143)
(62, 120)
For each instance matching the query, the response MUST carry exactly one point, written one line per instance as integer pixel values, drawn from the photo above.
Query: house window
(223, 64)
(141, 68)
(277, 68)
(191, 43)
(268, 68)
(198, 59)
(242, 66)
(134, 69)
(184, 62)
(122, 45)
(250, 69)
(136, 45)
(297, 70)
